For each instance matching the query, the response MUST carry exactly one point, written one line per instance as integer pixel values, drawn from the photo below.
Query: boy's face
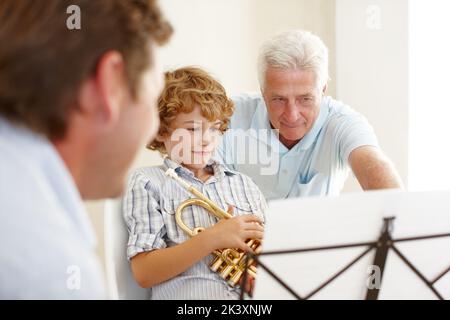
(193, 139)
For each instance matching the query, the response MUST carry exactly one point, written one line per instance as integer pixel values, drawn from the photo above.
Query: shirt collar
(260, 121)
(219, 169)
(261, 129)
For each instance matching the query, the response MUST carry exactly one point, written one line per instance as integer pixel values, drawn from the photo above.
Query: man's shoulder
(148, 173)
(47, 251)
(340, 113)
(347, 125)
(338, 108)
(23, 178)
(35, 228)
(245, 107)
(243, 178)
(247, 98)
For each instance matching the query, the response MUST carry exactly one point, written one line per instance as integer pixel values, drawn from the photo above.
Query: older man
(75, 107)
(292, 139)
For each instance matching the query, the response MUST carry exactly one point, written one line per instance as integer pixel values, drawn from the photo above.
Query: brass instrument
(229, 263)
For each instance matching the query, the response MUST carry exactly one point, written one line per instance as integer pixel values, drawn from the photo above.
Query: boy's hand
(249, 285)
(234, 232)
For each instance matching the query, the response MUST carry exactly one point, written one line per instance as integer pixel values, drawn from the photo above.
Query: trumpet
(230, 264)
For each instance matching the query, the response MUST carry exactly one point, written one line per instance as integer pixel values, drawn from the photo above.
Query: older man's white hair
(295, 49)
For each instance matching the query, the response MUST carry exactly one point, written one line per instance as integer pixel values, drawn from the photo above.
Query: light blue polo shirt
(316, 165)
(47, 244)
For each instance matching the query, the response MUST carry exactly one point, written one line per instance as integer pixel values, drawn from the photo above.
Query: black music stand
(382, 246)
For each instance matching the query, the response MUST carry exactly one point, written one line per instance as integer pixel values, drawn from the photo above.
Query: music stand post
(381, 246)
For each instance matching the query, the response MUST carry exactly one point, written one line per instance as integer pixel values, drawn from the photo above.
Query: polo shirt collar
(219, 169)
(260, 121)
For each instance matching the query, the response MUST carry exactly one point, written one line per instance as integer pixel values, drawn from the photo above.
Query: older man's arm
(373, 169)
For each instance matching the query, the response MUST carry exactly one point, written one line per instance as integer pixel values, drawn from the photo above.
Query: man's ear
(111, 88)
(325, 87)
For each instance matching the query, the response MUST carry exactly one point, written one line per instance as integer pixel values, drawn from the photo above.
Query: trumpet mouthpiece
(172, 174)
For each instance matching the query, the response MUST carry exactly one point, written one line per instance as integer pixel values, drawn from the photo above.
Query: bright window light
(429, 156)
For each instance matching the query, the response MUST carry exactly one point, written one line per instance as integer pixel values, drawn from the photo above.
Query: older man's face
(293, 102)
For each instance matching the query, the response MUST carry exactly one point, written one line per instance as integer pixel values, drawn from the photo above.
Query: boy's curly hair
(186, 88)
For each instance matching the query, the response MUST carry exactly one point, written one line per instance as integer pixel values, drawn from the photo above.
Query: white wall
(430, 108)
(372, 71)
(224, 35)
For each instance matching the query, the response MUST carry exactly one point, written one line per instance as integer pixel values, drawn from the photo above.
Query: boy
(194, 112)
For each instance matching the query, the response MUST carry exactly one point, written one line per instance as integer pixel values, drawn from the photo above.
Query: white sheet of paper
(353, 218)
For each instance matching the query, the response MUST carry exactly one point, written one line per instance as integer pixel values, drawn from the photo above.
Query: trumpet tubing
(228, 263)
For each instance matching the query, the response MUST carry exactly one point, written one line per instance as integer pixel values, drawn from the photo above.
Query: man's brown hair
(188, 87)
(43, 62)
